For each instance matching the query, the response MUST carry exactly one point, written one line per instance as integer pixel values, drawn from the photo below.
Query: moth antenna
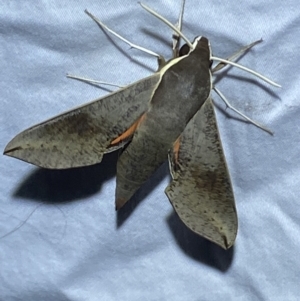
(103, 26)
(245, 69)
(241, 114)
(152, 12)
(240, 52)
(92, 81)
(176, 36)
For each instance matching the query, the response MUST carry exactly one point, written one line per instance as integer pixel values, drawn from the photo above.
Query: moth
(167, 115)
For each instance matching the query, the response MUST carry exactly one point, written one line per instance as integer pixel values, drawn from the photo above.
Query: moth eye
(210, 63)
(185, 49)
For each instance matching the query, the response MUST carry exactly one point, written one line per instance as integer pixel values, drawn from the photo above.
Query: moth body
(183, 88)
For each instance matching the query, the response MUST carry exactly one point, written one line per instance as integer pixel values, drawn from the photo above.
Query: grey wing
(201, 191)
(81, 136)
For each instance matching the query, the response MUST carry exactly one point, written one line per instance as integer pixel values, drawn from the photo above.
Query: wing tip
(12, 146)
(226, 241)
(8, 151)
(120, 202)
(227, 244)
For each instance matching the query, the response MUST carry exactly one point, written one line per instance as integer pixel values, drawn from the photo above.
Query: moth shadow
(199, 248)
(142, 193)
(60, 186)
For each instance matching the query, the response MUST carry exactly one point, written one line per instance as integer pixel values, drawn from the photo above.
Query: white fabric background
(75, 246)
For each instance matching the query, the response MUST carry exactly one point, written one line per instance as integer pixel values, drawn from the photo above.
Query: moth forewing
(81, 136)
(201, 191)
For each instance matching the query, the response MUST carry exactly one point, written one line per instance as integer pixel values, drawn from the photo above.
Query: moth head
(199, 42)
(184, 50)
(202, 43)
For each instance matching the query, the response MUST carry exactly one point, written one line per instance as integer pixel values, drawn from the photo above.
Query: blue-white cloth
(72, 245)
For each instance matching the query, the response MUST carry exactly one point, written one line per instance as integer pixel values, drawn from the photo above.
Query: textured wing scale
(81, 136)
(201, 191)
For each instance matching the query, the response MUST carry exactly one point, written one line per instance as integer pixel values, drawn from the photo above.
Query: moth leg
(240, 113)
(240, 52)
(104, 27)
(160, 17)
(262, 77)
(92, 81)
(176, 36)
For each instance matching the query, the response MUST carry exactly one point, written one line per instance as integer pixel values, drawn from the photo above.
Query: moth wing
(201, 191)
(81, 136)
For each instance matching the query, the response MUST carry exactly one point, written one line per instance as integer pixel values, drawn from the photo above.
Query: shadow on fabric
(60, 186)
